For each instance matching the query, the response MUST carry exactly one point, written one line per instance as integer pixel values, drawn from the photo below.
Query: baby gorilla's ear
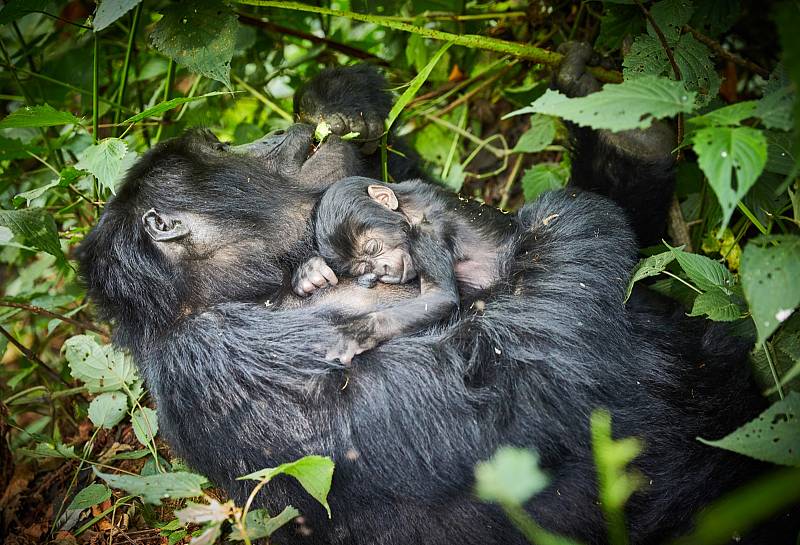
(383, 195)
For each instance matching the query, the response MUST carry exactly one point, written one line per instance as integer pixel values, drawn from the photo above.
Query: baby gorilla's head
(360, 229)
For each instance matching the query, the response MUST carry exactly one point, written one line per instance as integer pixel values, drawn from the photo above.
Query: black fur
(241, 386)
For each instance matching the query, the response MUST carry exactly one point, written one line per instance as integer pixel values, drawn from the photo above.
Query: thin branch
(336, 46)
(723, 53)
(44, 312)
(662, 39)
(30, 355)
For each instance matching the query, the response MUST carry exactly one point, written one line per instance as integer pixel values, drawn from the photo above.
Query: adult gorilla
(200, 235)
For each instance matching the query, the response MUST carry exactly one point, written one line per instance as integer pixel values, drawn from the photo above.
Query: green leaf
(14, 9)
(38, 116)
(776, 109)
(153, 488)
(91, 495)
(260, 525)
(11, 148)
(670, 16)
(717, 305)
(167, 105)
(733, 114)
(34, 227)
(773, 436)
(54, 450)
(706, 273)
(722, 151)
(770, 276)
(322, 131)
(145, 424)
(199, 35)
(538, 137)
(511, 477)
(110, 10)
(313, 472)
(651, 266)
(542, 178)
(108, 409)
(100, 367)
(414, 86)
(105, 160)
(618, 107)
(713, 17)
(34, 194)
(780, 156)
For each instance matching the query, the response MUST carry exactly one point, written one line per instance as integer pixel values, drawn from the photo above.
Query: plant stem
(264, 100)
(95, 91)
(123, 85)
(772, 369)
(473, 41)
(167, 88)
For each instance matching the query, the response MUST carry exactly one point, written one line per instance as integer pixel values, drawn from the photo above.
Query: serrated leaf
(511, 477)
(670, 16)
(100, 367)
(770, 281)
(108, 409)
(38, 116)
(91, 495)
(542, 178)
(313, 472)
(199, 35)
(154, 488)
(538, 137)
(650, 266)
(717, 305)
(104, 160)
(773, 436)
(34, 227)
(733, 114)
(200, 513)
(168, 105)
(706, 273)
(618, 107)
(722, 151)
(110, 10)
(260, 525)
(145, 424)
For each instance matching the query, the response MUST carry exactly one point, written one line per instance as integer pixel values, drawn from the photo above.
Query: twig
(336, 46)
(677, 226)
(30, 355)
(524, 51)
(44, 312)
(510, 182)
(723, 53)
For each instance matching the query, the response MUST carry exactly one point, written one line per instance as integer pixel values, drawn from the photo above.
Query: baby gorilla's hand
(313, 275)
(352, 338)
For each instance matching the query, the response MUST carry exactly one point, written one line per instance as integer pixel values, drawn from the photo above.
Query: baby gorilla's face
(383, 252)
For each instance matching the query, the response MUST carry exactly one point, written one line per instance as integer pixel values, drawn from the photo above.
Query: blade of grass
(529, 52)
(167, 105)
(123, 84)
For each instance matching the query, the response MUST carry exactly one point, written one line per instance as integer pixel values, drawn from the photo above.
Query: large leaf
(538, 137)
(773, 436)
(110, 10)
(722, 151)
(618, 107)
(38, 116)
(91, 495)
(313, 472)
(145, 424)
(108, 409)
(670, 16)
(100, 367)
(717, 305)
(732, 114)
(706, 273)
(154, 488)
(35, 227)
(511, 477)
(199, 35)
(105, 161)
(771, 281)
(542, 178)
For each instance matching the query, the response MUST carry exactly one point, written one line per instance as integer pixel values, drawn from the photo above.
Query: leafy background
(87, 88)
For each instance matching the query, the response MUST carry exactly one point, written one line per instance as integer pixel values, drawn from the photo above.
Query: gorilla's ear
(383, 195)
(162, 228)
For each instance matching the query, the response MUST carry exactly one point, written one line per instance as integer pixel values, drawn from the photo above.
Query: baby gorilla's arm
(438, 298)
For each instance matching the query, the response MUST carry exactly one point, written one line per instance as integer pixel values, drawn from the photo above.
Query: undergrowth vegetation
(86, 89)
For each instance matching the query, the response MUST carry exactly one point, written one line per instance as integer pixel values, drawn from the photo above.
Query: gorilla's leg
(635, 168)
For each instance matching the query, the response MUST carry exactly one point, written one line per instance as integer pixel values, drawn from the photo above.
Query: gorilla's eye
(372, 247)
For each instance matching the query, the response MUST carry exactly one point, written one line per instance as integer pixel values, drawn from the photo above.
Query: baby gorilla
(394, 234)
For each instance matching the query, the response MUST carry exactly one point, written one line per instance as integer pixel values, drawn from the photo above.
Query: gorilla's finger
(329, 275)
(338, 124)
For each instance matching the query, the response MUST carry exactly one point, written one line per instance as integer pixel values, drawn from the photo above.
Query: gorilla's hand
(312, 275)
(571, 78)
(349, 99)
